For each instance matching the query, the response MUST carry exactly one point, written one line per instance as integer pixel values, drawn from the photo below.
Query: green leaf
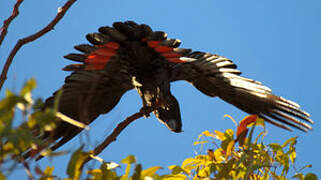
(127, 171)
(129, 160)
(106, 172)
(275, 147)
(28, 86)
(310, 176)
(229, 133)
(11, 101)
(74, 166)
(258, 136)
(96, 173)
(229, 136)
(251, 135)
(174, 177)
(292, 156)
(260, 122)
(150, 171)
(137, 172)
(208, 134)
(176, 169)
(38, 104)
(2, 177)
(230, 148)
(200, 142)
(57, 100)
(219, 135)
(187, 165)
(291, 140)
(47, 174)
(49, 170)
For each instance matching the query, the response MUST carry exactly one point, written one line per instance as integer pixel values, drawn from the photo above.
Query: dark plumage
(132, 56)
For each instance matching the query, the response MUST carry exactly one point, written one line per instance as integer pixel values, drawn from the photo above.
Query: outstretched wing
(94, 87)
(85, 95)
(215, 75)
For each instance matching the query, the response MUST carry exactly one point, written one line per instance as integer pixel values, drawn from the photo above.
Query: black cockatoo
(131, 56)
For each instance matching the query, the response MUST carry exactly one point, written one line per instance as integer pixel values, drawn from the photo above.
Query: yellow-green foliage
(229, 160)
(17, 139)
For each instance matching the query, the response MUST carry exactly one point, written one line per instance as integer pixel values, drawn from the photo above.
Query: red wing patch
(175, 60)
(89, 67)
(105, 52)
(171, 55)
(111, 45)
(167, 52)
(97, 59)
(163, 49)
(153, 44)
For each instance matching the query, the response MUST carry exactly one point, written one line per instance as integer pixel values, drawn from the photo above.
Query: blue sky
(275, 42)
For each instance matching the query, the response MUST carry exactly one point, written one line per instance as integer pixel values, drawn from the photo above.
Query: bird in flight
(130, 56)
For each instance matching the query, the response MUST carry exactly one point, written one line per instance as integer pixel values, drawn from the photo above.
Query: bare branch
(120, 127)
(6, 23)
(62, 11)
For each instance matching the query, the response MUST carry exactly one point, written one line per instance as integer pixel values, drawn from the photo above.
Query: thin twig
(120, 127)
(6, 23)
(27, 169)
(62, 11)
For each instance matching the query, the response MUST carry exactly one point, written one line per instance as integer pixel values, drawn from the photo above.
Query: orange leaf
(242, 129)
(208, 134)
(219, 135)
(244, 123)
